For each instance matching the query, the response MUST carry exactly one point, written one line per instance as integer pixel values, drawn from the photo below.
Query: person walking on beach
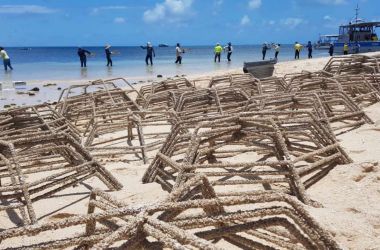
(82, 53)
(217, 51)
(108, 55)
(229, 50)
(277, 50)
(310, 50)
(331, 49)
(178, 52)
(6, 59)
(264, 50)
(345, 49)
(297, 50)
(149, 53)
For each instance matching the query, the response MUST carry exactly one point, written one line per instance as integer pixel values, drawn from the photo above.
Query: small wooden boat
(260, 69)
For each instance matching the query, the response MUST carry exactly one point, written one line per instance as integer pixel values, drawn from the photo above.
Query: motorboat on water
(359, 35)
(324, 41)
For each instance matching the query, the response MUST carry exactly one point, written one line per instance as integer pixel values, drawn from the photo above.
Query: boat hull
(369, 46)
(260, 69)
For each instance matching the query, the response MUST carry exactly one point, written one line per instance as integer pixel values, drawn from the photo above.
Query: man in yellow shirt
(297, 50)
(345, 49)
(217, 51)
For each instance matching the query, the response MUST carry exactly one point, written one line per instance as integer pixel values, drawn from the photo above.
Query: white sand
(349, 194)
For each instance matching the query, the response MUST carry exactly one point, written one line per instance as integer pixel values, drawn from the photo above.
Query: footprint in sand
(352, 210)
(60, 216)
(357, 151)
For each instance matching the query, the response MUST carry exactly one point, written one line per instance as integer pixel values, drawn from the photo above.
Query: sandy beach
(348, 196)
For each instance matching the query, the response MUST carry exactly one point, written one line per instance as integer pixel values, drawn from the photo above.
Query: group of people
(218, 49)
(83, 53)
(276, 48)
(298, 47)
(150, 54)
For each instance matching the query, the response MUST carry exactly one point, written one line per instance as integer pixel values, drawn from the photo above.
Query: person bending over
(82, 53)
(6, 59)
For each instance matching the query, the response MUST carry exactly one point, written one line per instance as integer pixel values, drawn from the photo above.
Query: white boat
(359, 35)
(325, 41)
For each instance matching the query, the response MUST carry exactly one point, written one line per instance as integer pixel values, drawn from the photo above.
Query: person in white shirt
(277, 50)
(6, 59)
(178, 52)
(229, 50)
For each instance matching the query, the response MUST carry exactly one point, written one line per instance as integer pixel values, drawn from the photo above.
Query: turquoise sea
(62, 63)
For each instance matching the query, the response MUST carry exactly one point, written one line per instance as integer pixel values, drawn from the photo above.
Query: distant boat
(360, 36)
(325, 41)
(25, 48)
(162, 45)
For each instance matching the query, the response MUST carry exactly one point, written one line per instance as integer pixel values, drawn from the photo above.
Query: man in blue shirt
(310, 50)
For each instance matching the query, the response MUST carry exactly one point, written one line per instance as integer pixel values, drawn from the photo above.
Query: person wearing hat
(229, 50)
(82, 53)
(149, 53)
(217, 51)
(108, 55)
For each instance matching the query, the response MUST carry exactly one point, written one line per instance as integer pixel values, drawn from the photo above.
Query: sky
(191, 22)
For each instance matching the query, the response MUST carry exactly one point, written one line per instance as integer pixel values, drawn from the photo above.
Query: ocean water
(62, 63)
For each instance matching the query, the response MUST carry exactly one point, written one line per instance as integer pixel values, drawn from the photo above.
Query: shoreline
(50, 94)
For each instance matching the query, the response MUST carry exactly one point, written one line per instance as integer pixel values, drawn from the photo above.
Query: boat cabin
(363, 31)
(327, 39)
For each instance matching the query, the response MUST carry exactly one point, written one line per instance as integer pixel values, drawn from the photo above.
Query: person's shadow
(109, 71)
(83, 72)
(13, 216)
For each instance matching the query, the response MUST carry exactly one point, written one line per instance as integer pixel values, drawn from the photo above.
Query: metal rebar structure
(119, 133)
(374, 80)
(333, 109)
(37, 120)
(251, 85)
(80, 103)
(361, 88)
(247, 82)
(264, 220)
(273, 85)
(309, 82)
(248, 152)
(37, 166)
(353, 64)
(211, 101)
(175, 84)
